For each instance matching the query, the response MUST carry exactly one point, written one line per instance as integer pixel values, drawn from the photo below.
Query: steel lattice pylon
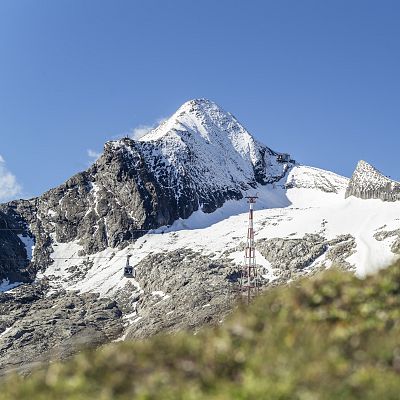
(249, 277)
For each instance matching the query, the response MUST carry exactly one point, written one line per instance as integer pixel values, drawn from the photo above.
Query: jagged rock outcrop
(368, 183)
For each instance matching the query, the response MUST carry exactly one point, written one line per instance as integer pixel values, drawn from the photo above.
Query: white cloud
(93, 154)
(134, 133)
(141, 130)
(9, 187)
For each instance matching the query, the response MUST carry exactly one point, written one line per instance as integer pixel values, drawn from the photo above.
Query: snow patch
(5, 285)
(29, 244)
(5, 332)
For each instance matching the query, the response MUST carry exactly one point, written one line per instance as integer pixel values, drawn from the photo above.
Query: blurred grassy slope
(328, 337)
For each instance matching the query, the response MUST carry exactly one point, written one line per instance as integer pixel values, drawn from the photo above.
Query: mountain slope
(333, 337)
(198, 159)
(175, 202)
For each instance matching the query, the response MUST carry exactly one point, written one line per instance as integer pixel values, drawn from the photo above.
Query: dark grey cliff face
(13, 254)
(368, 183)
(112, 203)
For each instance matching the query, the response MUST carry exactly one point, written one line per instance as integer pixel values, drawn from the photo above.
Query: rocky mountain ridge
(198, 159)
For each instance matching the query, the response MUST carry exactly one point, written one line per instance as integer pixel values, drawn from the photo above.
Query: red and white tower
(249, 280)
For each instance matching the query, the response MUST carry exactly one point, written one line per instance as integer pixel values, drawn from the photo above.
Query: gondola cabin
(129, 271)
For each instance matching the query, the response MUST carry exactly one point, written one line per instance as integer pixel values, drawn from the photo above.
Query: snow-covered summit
(204, 135)
(202, 156)
(367, 182)
(207, 121)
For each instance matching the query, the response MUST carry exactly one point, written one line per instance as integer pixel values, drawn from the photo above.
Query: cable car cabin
(283, 158)
(129, 271)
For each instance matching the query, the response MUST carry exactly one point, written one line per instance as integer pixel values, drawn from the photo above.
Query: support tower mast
(249, 280)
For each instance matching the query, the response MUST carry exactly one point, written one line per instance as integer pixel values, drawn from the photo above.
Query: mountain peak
(198, 116)
(200, 129)
(200, 103)
(200, 157)
(369, 183)
(365, 170)
(365, 167)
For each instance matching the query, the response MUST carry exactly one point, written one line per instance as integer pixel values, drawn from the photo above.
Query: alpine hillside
(174, 201)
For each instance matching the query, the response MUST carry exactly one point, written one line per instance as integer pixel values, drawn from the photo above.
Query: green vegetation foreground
(329, 337)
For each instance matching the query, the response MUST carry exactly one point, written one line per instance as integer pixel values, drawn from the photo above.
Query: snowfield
(307, 201)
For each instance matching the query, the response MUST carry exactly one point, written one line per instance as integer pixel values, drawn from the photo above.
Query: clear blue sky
(318, 79)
